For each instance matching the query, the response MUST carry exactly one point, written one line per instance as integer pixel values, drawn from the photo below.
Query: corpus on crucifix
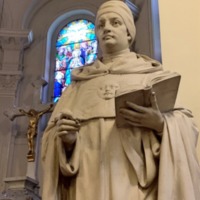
(34, 116)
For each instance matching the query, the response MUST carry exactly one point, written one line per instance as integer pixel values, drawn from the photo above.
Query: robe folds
(110, 163)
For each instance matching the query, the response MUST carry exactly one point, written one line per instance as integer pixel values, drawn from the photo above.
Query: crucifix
(34, 114)
(29, 184)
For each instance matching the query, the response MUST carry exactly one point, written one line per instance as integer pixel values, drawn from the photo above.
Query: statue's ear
(129, 37)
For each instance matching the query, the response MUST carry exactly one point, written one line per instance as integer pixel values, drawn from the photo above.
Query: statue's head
(32, 112)
(114, 21)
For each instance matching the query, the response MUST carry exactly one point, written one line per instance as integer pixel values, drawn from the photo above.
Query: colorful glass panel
(76, 46)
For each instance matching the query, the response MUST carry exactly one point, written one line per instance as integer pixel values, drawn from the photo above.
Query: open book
(165, 85)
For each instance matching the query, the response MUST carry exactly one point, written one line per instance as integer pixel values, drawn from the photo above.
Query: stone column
(8, 85)
(12, 44)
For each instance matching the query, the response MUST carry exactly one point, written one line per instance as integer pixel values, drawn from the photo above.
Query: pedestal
(20, 188)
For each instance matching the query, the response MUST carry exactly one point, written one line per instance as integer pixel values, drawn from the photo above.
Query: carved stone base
(20, 188)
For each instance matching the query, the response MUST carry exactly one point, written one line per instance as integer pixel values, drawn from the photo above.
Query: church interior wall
(5, 138)
(180, 46)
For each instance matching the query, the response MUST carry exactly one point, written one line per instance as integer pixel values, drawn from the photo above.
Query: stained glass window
(76, 46)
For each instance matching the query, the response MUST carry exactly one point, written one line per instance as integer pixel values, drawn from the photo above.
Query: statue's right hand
(67, 128)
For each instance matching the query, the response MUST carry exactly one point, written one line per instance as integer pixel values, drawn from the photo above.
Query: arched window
(76, 45)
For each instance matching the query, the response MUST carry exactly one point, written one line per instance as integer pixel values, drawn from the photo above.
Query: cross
(34, 114)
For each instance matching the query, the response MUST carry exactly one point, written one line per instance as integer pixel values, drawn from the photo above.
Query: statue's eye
(116, 22)
(100, 26)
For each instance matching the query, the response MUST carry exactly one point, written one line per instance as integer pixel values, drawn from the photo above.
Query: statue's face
(108, 90)
(112, 33)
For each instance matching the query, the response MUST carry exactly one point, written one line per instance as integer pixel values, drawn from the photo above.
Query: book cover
(165, 87)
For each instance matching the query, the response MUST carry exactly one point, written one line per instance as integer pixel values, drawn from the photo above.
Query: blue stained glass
(76, 46)
(76, 31)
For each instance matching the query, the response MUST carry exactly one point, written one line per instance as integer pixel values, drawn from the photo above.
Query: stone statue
(34, 117)
(87, 157)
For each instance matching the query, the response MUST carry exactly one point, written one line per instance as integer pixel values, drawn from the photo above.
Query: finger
(66, 115)
(136, 107)
(153, 100)
(131, 115)
(68, 122)
(137, 124)
(67, 128)
(65, 133)
(62, 133)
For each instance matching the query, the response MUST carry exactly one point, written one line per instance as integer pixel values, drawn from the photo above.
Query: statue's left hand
(148, 117)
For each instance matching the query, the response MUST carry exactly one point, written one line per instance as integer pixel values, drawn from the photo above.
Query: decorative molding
(13, 44)
(9, 81)
(15, 40)
(20, 188)
(39, 82)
